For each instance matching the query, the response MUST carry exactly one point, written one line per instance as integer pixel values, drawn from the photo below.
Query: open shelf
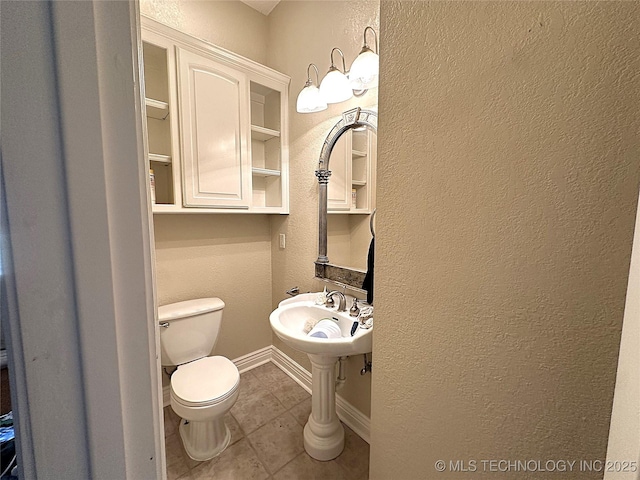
(155, 157)
(265, 172)
(358, 183)
(156, 108)
(263, 134)
(358, 153)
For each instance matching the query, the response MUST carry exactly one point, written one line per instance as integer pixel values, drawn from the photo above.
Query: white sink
(289, 319)
(323, 433)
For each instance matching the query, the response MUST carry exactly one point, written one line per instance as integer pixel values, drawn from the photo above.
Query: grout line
(269, 389)
(290, 461)
(259, 458)
(286, 411)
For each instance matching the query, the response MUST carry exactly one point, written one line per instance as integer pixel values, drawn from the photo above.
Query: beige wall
(226, 256)
(227, 24)
(301, 33)
(508, 184)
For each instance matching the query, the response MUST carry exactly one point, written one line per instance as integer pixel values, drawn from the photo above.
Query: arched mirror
(350, 148)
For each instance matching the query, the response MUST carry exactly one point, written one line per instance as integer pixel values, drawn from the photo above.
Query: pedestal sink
(323, 433)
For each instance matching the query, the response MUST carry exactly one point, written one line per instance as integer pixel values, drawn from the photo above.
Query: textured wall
(507, 190)
(303, 32)
(226, 256)
(227, 24)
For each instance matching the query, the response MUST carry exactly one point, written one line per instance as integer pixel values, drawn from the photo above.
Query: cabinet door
(339, 191)
(215, 126)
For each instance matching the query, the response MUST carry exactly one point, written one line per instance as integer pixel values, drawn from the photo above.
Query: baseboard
(253, 359)
(292, 368)
(350, 415)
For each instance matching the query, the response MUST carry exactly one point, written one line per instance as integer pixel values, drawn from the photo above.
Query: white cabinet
(352, 164)
(214, 126)
(225, 146)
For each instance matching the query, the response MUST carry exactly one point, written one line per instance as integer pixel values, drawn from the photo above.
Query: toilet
(203, 387)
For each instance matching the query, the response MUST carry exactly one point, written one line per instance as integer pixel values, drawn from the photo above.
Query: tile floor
(266, 437)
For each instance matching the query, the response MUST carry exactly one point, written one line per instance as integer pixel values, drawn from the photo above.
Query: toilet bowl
(203, 388)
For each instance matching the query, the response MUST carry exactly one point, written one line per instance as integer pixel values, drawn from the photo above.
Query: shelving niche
(158, 122)
(266, 147)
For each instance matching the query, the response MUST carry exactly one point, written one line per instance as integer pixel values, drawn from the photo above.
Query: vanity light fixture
(309, 99)
(338, 86)
(335, 87)
(364, 70)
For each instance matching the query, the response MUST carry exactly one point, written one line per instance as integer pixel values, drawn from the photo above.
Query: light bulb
(310, 100)
(335, 87)
(364, 70)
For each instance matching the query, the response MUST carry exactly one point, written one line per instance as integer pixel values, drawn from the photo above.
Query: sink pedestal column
(323, 433)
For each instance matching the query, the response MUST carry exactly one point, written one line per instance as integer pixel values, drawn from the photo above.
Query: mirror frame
(354, 118)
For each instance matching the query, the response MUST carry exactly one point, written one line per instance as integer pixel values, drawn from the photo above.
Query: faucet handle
(354, 310)
(329, 302)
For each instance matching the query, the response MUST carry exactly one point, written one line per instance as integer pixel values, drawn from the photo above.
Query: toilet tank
(191, 331)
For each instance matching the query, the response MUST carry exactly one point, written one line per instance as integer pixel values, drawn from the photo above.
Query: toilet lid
(205, 381)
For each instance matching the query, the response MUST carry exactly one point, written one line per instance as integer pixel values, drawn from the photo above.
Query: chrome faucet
(342, 305)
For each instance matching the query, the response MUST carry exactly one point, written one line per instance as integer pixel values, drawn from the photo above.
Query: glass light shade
(364, 71)
(335, 87)
(355, 84)
(310, 100)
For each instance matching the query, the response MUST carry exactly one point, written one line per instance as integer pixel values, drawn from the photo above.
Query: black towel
(368, 278)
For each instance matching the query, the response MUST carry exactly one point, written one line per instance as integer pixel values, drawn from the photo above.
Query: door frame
(78, 281)
(624, 430)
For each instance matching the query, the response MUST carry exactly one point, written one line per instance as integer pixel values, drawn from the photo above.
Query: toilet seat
(204, 382)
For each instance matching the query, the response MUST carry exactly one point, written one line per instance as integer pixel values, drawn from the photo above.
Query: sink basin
(289, 319)
(323, 433)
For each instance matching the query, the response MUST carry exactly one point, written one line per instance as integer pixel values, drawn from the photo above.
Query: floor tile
(305, 467)
(170, 421)
(271, 376)
(278, 442)
(191, 463)
(177, 469)
(266, 425)
(253, 410)
(173, 449)
(249, 383)
(290, 393)
(204, 470)
(234, 427)
(302, 411)
(354, 459)
(238, 461)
